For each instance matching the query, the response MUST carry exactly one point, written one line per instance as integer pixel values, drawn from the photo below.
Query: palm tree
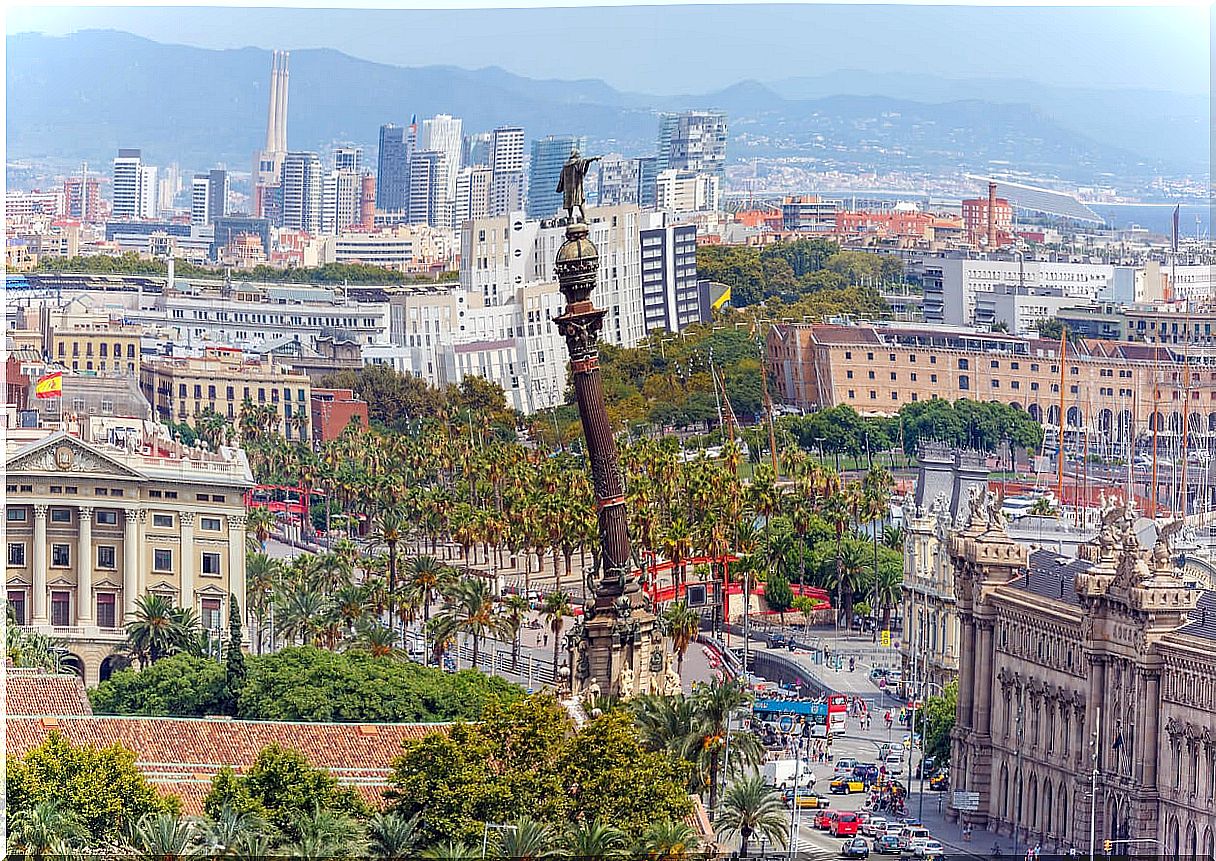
(326, 834)
(555, 609)
(301, 612)
(1042, 507)
(378, 639)
(230, 829)
(259, 521)
(45, 830)
(526, 840)
(451, 851)
(151, 635)
(593, 841)
(668, 840)
(470, 610)
(852, 566)
(393, 837)
(683, 625)
(893, 537)
(514, 607)
(751, 806)
(715, 704)
(261, 576)
(427, 578)
(164, 837)
(388, 528)
(888, 591)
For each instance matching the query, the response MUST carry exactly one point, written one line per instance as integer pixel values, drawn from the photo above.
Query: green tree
(683, 625)
(235, 671)
(939, 721)
(99, 787)
(181, 686)
(778, 595)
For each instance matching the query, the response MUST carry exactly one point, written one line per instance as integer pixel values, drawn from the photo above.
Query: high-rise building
(693, 140)
(268, 162)
(302, 187)
(392, 170)
(168, 186)
(476, 150)
(442, 134)
(472, 194)
(348, 158)
(134, 185)
(430, 202)
(200, 198)
(82, 198)
(648, 174)
(686, 191)
(218, 195)
(548, 156)
(507, 166)
(671, 297)
(340, 200)
(618, 180)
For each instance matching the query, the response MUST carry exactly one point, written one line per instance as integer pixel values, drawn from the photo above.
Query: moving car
(874, 826)
(886, 844)
(844, 767)
(926, 767)
(843, 824)
(930, 849)
(847, 786)
(776, 640)
(940, 782)
(894, 763)
(823, 820)
(855, 848)
(809, 801)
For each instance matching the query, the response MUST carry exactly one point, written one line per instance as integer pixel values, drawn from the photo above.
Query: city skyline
(660, 49)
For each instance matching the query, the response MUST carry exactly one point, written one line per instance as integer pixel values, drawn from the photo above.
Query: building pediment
(211, 591)
(61, 580)
(62, 453)
(18, 580)
(106, 583)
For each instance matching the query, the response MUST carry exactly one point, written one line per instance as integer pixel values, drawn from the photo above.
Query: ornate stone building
(1105, 662)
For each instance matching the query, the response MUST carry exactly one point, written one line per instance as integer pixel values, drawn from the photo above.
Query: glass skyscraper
(548, 156)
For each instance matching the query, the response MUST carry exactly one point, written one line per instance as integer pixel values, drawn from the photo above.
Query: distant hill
(83, 96)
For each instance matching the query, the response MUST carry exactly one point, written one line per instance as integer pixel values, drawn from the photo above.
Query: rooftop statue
(570, 184)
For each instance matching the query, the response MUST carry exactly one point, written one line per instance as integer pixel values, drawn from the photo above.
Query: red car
(823, 820)
(844, 824)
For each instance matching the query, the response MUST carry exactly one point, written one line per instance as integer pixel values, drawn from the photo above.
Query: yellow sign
(886, 639)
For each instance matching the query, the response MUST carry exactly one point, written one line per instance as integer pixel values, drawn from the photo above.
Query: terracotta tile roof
(181, 755)
(36, 692)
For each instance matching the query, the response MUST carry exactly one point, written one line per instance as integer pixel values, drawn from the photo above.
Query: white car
(929, 848)
(874, 826)
(894, 763)
(844, 767)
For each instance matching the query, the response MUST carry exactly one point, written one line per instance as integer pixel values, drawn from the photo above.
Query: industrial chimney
(367, 202)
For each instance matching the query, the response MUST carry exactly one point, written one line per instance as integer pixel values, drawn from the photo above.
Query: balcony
(78, 632)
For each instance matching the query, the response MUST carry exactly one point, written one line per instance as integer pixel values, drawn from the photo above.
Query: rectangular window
(211, 613)
(16, 600)
(215, 498)
(211, 564)
(61, 515)
(162, 560)
(203, 497)
(105, 610)
(162, 520)
(16, 555)
(211, 524)
(61, 555)
(107, 516)
(15, 515)
(106, 556)
(101, 491)
(61, 609)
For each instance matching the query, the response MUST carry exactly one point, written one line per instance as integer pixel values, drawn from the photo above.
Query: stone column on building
(236, 563)
(982, 680)
(132, 548)
(40, 567)
(966, 683)
(1148, 741)
(84, 565)
(186, 521)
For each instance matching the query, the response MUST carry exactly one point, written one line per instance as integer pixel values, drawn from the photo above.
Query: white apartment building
(302, 187)
(340, 199)
(685, 191)
(500, 255)
(951, 290)
(443, 133)
(22, 205)
(507, 184)
(472, 194)
(200, 199)
(134, 186)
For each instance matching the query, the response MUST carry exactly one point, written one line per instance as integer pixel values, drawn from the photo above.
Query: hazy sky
(692, 49)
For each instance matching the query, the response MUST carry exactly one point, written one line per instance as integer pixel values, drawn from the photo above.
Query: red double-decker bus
(281, 499)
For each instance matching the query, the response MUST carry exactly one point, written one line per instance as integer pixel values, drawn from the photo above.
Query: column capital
(134, 515)
(40, 512)
(85, 511)
(237, 521)
(187, 518)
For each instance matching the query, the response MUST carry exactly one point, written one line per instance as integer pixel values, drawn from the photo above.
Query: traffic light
(1108, 846)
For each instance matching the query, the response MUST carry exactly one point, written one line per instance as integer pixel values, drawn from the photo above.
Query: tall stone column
(615, 649)
(186, 520)
(982, 680)
(132, 549)
(84, 564)
(966, 684)
(40, 567)
(1148, 740)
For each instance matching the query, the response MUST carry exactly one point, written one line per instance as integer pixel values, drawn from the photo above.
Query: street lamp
(1017, 771)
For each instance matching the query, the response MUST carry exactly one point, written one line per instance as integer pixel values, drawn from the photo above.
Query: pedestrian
(888, 718)
(546, 639)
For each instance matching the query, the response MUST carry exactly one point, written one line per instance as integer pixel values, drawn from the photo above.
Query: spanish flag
(49, 386)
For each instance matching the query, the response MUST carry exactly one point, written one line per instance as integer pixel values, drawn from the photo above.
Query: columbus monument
(617, 647)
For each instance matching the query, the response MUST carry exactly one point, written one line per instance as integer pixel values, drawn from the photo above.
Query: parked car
(811, 801)
(894, 763)
(843, 824)
(855, 848)
(887, 844)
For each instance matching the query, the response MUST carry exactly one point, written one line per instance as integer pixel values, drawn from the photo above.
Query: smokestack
(992, 215)
(272, 110)
(281, 125)
(367, 202)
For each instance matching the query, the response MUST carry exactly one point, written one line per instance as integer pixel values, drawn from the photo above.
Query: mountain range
(84, 95)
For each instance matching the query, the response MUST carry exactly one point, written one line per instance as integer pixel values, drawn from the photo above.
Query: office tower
(340, 200)
(476, 150)
(442, 133)
(218, 194)
(507, 167)
(82, 198)
(348, 158)
(302, 186)
(648, 174)
(617, 180)
(134, 185)
(200, 198)
(268, 162)
(430, 202)
(472, 194)
(392, 170)
(548, 156)
(693, 140)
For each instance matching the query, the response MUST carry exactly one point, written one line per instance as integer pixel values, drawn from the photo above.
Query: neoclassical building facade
(1094, 671)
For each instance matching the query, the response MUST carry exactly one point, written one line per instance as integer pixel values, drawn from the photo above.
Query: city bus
(828, 717)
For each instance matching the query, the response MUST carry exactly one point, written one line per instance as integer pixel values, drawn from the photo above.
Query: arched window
(1006, 808)
(1172, 843)
(1209, 844)
(1048, 808)
(1032, 812)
